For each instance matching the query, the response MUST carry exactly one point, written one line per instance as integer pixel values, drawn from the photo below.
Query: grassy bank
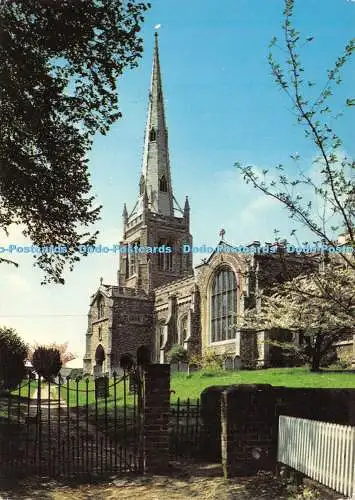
(191, 386)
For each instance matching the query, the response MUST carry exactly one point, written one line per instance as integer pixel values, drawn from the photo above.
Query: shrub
(177, 353)
(13, 352)
(210, 361)
(46, 362)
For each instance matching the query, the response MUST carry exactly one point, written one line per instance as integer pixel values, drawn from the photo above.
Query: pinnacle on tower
(187, 205)
(124, 213)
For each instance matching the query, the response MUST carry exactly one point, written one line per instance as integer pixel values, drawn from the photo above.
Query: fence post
(352, 450)
(156, 414)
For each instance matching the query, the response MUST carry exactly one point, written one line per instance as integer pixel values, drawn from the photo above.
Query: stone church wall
(132, 327)
(174, 303)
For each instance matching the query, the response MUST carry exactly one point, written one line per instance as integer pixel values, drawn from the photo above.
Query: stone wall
(173, 303)
(345, 352)
(151, 229)
(125, 324)
(132, 327)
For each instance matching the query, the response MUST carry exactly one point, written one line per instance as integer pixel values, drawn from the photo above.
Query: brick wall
(239, 423)
(247, 430)
(156, 418)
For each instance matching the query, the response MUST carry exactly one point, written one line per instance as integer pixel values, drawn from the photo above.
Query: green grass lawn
(82, 393)
(23, 390)
(191, 386)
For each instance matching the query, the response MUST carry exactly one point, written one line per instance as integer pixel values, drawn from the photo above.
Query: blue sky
(222, 106)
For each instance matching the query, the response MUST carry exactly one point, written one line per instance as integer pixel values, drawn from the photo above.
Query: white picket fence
(322, 451)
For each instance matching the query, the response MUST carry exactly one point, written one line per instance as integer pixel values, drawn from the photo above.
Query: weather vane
(222, 233)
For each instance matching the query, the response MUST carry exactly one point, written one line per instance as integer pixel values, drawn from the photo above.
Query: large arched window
(223, 305)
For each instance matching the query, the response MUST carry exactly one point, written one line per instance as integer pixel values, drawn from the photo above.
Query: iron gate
(71, 427)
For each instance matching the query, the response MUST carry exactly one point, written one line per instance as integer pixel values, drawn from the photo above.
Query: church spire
(156, 168)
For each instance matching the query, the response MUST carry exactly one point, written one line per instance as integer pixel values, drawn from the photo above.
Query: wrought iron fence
(185, 424)
(70, 428)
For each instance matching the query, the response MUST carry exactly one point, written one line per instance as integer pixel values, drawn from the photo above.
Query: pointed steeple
(156, 167)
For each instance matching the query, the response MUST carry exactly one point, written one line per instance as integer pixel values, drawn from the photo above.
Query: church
(160, 299)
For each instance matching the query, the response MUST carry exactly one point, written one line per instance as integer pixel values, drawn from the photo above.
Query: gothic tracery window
(223, 305)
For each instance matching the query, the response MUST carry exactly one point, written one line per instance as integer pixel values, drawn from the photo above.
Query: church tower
(156, 219)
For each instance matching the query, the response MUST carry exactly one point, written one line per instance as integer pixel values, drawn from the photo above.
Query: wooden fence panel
(323, 451)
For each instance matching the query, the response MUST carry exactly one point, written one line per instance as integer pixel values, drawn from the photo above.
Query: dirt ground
(186, 481)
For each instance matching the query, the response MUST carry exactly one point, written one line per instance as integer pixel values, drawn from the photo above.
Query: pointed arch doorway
(99, 358)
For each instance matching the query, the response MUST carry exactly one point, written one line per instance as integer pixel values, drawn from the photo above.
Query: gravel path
(186, 481)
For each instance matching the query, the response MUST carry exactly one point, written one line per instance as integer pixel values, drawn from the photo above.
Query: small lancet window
(163, 185)
(100, 307)
(152, 135)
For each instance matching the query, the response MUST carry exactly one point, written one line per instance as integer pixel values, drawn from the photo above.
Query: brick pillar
(248, 430)
(156, 418)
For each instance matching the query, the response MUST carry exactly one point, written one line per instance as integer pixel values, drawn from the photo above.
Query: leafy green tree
(300, 306)
(46, 362)
(59, 64)
(13, 353)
